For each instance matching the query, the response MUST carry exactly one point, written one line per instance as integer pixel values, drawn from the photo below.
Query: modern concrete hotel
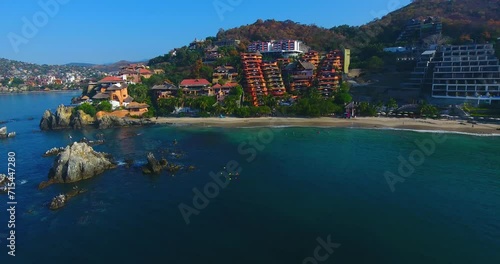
(469, 72)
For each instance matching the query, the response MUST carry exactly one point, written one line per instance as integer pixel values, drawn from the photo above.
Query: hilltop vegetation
(478, 19)
(464, 21)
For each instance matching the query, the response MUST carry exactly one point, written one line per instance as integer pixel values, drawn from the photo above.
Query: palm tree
(218, 109)
(203, 103)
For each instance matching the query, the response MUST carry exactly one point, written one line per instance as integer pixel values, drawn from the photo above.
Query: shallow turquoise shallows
(303, 195)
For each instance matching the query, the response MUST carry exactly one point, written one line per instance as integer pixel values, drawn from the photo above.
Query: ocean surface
(298, 190)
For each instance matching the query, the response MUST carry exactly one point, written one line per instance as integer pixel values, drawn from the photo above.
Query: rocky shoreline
(66, 117)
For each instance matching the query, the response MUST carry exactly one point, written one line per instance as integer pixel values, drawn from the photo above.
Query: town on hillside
(422, 74)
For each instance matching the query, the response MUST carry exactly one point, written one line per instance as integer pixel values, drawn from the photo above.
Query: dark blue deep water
(297, 186)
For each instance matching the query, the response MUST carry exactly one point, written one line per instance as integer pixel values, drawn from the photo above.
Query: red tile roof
(111, 79)
(230, 84)
(195, 82)
(217, 86)
(144, 71)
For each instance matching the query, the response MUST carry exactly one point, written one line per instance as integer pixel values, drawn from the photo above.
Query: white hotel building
(468, 72)
(286, 47)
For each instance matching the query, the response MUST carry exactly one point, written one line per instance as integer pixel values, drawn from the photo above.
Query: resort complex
(466, 72)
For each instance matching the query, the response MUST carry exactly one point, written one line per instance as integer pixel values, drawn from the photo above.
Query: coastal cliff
(67, 118)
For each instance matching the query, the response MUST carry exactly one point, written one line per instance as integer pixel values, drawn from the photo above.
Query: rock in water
(4, 183)
(53, 152)
(79, 162)
(58, 202)
(4, 133)
(154, 166)
(60, 120)
(80, 120)
(62, 199)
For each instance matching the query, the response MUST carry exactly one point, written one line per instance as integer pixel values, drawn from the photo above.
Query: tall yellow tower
(347, 60)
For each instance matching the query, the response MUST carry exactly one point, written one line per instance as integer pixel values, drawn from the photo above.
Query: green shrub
(87, 109)
(105, 106)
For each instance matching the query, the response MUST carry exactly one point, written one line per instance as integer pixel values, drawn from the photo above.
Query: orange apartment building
(312, 57)
(274, 79)
(299, 76)
(255, 84)
(330, 73)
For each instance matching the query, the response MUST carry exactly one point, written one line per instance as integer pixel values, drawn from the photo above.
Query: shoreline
(36, 92)
(404, 124)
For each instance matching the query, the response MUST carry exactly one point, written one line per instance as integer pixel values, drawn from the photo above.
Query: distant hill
(79, 64)
(113, 67)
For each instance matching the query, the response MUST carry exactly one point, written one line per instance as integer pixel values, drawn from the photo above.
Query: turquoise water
(301, 185)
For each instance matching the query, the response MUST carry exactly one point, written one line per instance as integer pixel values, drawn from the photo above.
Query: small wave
(23, 182)
(440, 132)
(121, 163)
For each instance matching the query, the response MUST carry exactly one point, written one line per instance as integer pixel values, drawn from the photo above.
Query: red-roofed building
(111, 80)
(221, 91)
(145, 73)
(196, 87)
(134, 72)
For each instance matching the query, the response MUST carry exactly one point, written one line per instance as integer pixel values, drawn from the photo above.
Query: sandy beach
(362, 122)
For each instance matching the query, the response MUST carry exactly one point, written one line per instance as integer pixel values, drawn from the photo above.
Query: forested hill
(462, 20)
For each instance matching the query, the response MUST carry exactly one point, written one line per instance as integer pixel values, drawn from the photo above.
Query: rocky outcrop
(68, 118)
(78, 162)
(61, 200)
(4, 133)
(154, 166)
(80, 120)
(61, 119)
(58, 202)
(108, 121)
(4, 182)
(55, 151)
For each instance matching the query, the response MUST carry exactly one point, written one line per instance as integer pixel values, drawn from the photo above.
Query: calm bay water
(307, 183)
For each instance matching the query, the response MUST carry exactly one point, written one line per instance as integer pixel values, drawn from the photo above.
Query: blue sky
(108, 31)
